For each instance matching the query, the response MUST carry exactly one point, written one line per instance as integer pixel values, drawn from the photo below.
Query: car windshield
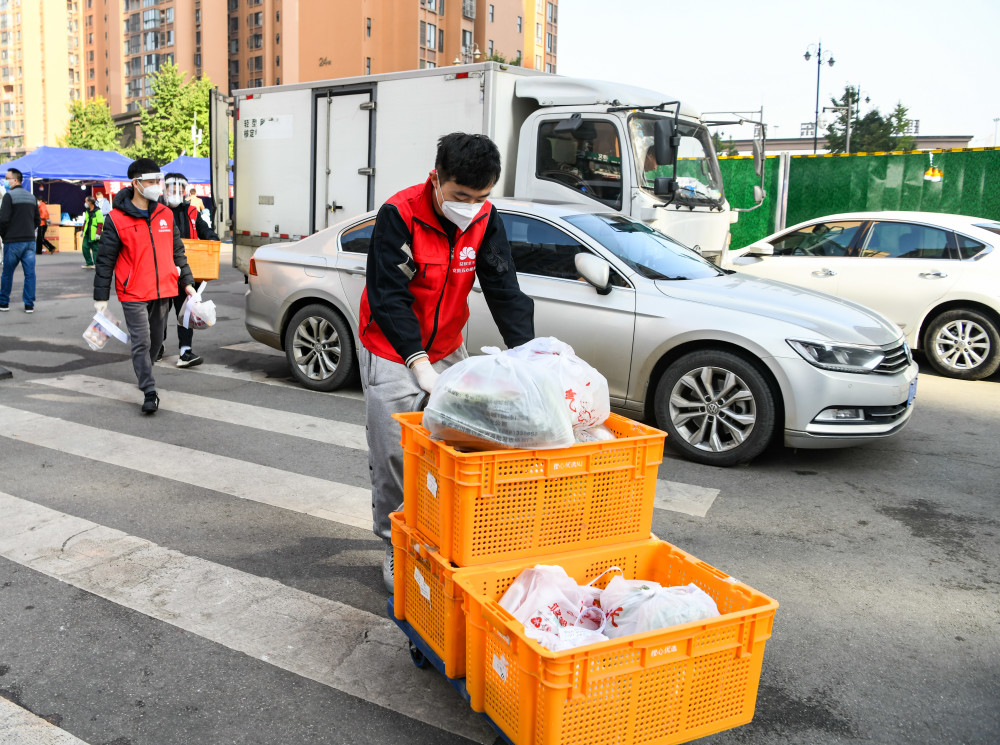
(698, 178)
(647, 251)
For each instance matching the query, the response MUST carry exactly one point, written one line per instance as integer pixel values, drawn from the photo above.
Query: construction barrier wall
(821, 185)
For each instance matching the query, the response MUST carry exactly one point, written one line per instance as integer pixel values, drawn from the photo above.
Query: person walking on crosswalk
(19, 220)
(141, 247)
(429, 244)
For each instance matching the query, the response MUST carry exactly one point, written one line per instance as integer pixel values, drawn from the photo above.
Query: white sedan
(936, 276)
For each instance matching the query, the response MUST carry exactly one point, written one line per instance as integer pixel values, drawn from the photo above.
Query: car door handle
(477, 289)
(356, 270)
(824, 273)
(936, 275)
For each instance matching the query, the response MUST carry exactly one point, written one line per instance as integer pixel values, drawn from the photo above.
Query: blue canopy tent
(65, 175)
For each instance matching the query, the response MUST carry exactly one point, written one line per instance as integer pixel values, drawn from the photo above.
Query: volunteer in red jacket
(429, 244)
(141, 247)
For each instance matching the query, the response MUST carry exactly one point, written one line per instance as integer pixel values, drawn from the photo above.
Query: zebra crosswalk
(264, 557)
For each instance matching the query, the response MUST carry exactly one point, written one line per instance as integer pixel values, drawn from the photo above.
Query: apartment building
(40, 72)
(288, 41)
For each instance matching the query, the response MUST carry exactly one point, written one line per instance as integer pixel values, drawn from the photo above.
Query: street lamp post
(819, 66)
(995, 121)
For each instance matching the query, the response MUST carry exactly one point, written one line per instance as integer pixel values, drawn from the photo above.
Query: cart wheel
(417, 656)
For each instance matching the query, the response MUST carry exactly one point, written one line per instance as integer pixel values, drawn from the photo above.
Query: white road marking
(255, 347)
(257, 376)
(686, 498)
(20, 727)
(349, 505)
(315, 428)
(335, 644)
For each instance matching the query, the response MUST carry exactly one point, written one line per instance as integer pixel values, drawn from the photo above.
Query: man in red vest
(429, 243)
(141, 247)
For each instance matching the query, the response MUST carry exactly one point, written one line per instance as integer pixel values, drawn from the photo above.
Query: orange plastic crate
(426, 596)
(656, 688)
(483, 507)
(203, 258)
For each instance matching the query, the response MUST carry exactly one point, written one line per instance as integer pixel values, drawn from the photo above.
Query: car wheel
(716, 407)
(319, 347)
(963, 344)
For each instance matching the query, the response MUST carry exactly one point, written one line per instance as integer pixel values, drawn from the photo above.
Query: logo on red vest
(467, 254)
(164, 228)
(466, 260)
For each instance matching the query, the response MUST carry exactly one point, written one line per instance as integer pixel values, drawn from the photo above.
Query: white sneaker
(387, 568)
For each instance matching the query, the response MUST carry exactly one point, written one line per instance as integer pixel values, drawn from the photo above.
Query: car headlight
(848, 358)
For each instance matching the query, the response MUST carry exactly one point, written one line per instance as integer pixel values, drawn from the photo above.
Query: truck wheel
(963, 344)
(716, 407)
(319, 347)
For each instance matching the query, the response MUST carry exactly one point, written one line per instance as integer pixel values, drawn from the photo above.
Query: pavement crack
(62, 548)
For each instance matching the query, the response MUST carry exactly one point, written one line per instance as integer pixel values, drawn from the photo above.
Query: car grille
(884, 414)
(896, 360)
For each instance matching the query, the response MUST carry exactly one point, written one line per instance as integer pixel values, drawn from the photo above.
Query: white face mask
(152, 193)
(460, 213)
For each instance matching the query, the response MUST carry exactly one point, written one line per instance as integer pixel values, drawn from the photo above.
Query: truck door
(343, 157)
(219, 123)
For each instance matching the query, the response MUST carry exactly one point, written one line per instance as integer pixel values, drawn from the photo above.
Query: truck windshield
(646, 250)
(698, 177)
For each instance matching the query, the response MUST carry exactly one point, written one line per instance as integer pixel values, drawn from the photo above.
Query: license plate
(913, 392)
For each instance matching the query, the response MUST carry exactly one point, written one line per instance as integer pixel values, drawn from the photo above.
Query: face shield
(150, 191)
(176, 192)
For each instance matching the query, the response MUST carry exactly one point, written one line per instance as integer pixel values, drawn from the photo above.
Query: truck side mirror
(758, 157)
(595, 270)
(664, 186)
(758, 194)
(666, 142)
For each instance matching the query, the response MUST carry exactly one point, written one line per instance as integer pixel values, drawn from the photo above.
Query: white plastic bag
(102, 327)
(196, 313)
(600, 433)
(584, 389)
(634, 606)
(498, 401)
(556, 611)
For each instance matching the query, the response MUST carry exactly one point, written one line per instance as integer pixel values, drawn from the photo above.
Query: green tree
(90, 126)
(724, 149)
(498, 57)
(166, 123)
(871, 133)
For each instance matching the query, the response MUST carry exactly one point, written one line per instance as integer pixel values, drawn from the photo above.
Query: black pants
(185, 337)
(41, 241)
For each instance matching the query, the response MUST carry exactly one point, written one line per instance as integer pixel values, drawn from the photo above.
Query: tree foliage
(166, 123)
(871, 133)
(498, 57)
(90, 126)
(724, 149)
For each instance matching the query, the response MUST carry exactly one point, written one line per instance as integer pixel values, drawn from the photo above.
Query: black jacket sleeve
(390, 268)
(205, 232)
(180, 260)
(107, 257)
(512, 310)
(6, 210)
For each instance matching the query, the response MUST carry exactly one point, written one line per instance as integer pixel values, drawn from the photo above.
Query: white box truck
(311, 154)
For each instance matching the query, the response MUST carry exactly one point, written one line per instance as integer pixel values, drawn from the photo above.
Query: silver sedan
(723, 362)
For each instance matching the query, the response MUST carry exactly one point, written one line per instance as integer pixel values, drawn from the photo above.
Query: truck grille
(896, 360)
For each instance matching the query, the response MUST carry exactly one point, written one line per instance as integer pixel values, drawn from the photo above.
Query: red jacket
(146, 255)
(418, 281)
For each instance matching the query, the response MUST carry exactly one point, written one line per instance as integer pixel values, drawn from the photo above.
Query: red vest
(443, 281)
(192, 214)
(145, 269)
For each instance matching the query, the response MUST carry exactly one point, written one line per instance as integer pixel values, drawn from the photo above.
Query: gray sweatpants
(390, 388)
(146, 322)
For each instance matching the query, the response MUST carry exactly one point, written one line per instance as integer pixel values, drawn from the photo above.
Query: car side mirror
(760, 249)
(595, 270)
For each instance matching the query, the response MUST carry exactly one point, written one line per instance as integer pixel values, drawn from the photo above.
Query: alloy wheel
(962, 344)
(316, 348)
(713, 409)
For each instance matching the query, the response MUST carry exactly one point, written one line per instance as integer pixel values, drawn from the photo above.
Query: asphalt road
(117, 531)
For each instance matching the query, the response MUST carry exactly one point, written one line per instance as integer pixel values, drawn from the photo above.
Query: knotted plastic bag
(196, 313)
(584, 389)
(633, 606)
(498, 401)
(102, 327)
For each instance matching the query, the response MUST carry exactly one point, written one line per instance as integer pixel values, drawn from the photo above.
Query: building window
(234, 46)
(538, 62)
(277, 60)
(549, 68)
(234, 25)
(430, 40)
(368, 27)
(550, 45)
(519, 24)
(491, 14)
(489, 48)
(550, 12)
(538, 33)
(277, 38)
(197, 60)
(466, 42)
(368, 65)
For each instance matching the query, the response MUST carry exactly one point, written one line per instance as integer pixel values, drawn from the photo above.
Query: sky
(940, 59)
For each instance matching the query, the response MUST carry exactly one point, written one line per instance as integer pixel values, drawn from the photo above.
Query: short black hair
(91, 200)
(141, 166)
(469, 160)
(175, 175)
(17, 174)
